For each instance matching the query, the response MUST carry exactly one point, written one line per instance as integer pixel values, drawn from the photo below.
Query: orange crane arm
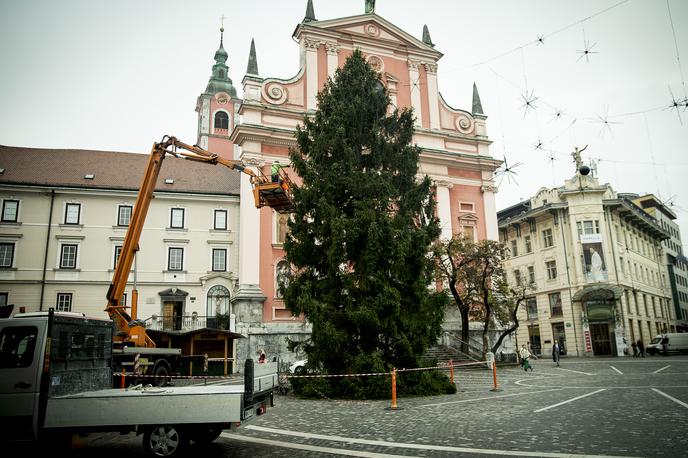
(116, 311)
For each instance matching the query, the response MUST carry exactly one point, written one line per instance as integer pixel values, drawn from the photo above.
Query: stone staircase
(442, 354)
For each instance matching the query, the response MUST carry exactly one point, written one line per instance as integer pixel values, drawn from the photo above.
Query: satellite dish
(584, 170)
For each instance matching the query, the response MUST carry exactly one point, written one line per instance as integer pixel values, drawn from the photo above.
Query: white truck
(56, 379)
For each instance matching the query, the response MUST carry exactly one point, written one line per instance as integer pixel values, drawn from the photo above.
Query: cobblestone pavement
(604, 407)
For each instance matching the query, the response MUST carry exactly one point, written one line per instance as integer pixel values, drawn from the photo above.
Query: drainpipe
(568, 277)
(47, 244)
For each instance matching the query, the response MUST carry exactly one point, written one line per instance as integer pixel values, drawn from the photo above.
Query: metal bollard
(494, 376)
(451, 371)
(123, 380)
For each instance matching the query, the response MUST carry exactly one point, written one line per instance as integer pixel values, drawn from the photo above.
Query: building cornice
(629, 210)
(266, 135)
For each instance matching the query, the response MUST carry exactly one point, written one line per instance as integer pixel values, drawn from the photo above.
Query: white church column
(249, 243)
(414, 81)
(433, 95)
(311, 72)
(444, 208)
(332, 57)
(490, 206)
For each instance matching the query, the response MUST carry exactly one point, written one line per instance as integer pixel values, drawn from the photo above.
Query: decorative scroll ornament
(332, 47)
(488, 188)
(275, 93)
(372, 30)
(464, 124)
(413, 64)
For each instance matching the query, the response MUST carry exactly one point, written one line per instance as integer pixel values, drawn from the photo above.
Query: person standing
(525, 358)
(556, 352)
(665, 345)
(634, 346)
(274, 171)
(641, 348)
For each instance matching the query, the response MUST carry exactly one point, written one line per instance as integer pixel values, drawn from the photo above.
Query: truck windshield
(656, 340)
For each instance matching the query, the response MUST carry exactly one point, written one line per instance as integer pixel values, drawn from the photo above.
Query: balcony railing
(191, 323)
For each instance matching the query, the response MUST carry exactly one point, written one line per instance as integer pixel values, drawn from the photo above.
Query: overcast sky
(118, 75)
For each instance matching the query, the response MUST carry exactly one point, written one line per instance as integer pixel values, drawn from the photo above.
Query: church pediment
(373, 27)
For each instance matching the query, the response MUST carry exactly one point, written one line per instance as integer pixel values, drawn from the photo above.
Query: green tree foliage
(475, 277)
(359, 240)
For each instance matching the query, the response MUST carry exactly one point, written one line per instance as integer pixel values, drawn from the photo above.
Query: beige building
(64, 218)
(594, 264)
(676, 262)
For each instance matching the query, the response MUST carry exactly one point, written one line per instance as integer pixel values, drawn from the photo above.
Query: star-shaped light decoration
(676, 104)
(540, 40)
(529, 100)
(538, 145)
(505, 170)
(606, 123)
(586, 51)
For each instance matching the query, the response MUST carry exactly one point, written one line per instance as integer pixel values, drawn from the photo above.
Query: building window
(64, 302)
(531, 308)
(221, 120)
(547, 238)
(175, 259)
(467, 207)
(517, 277)
(551, 269)
(10, 211)
(177, 218)
(529, 245)
(555, 304)
(218, 301)
(468, 232)
(68, 256)
(124, 215)
(531, 275)
(514, 248)
(3, 299)
(220, 220)
(118, 251)
(588, 227)
(6, 255)
(72, 213)
(219, 260)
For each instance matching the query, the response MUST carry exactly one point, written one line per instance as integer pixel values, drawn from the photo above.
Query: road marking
(617, 370)
(487, 397)
(578, 372)
(444, 448)
(660, 370)
(570, 400)
(671, 397)
(310, 448)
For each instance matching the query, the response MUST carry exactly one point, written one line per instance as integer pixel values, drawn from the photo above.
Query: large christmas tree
(359, 240)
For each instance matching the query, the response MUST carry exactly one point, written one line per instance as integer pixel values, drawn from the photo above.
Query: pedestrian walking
(556, 353)
(525, 358)
(641, 348)
(665, 345)
(634, 346)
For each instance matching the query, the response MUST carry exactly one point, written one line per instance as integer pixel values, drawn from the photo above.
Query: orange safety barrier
(451, 371)
(494, 376)
(394, 389)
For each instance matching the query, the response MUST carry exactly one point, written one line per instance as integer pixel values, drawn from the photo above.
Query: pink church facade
(454, 143)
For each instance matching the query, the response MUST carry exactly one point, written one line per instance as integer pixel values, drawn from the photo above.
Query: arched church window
(221, 120)
(218, 301)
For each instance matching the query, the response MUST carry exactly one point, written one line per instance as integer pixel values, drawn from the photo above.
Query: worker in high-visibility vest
(274, 171)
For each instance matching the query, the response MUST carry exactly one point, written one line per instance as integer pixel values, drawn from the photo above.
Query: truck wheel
(206, 435)
(161, 375)
(167, 440)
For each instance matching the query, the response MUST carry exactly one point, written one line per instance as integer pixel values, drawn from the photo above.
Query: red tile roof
(111, 170)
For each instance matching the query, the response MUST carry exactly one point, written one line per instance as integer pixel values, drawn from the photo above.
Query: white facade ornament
(463, 123)
(488, 188)
(413, 64)
(254, 162)
(332, 47)
(430, 68)
(275, 93)
(372, 30)
(443, 183)
(311, 44)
